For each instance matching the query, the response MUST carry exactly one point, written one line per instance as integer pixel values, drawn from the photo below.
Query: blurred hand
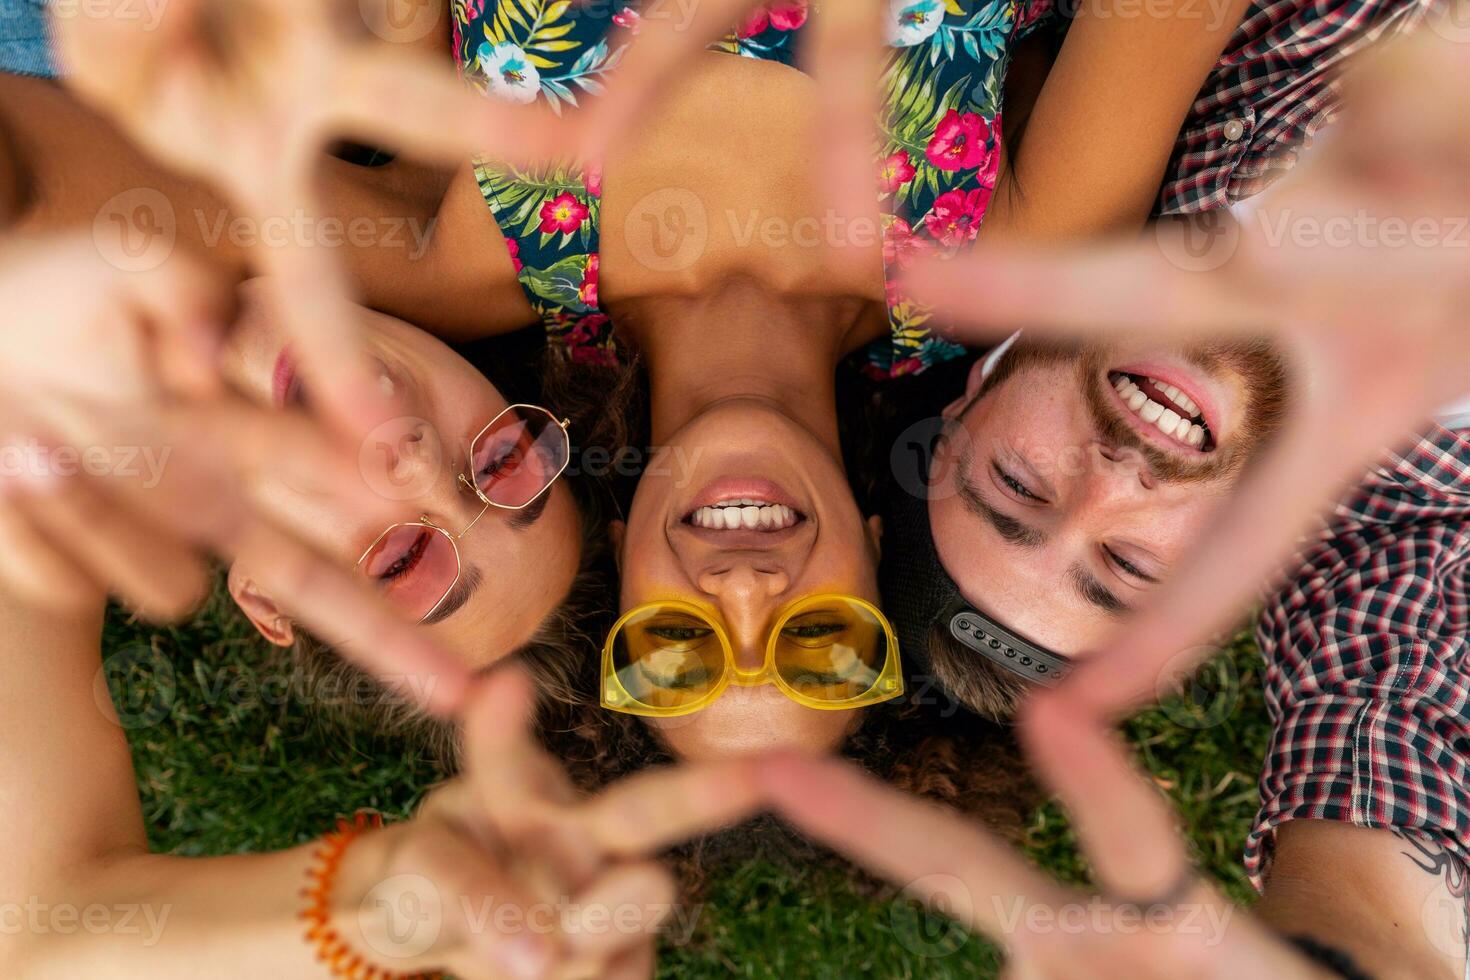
(531, 880)
(844, 48)
(1375, 324)
(250, 93)
(1154, 918)
(126, 461)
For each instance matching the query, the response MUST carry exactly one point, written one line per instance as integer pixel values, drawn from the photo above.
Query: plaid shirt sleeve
(1367, 653)
(1278, 82)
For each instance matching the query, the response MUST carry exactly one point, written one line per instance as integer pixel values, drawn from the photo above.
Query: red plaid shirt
(1278, 82)
(1368, 660)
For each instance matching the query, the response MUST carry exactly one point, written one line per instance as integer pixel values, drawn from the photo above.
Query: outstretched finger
(651, 811)
(1097, 290)
(932, 853)
(403, 99)
(313, 296)
(622, 908)
(1126, 827)
(186, 309)
(516, 782)
(206, 469)
(847, 63)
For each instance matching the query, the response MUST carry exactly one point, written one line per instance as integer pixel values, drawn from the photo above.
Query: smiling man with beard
(1064, 485)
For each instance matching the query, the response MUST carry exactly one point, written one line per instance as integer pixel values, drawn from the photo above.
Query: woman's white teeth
(1183, 422)
(744, 515)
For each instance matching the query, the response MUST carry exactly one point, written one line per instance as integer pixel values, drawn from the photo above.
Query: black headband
(918, 592)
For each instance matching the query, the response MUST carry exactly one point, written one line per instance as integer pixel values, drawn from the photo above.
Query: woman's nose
(747, 596)
(743, 583)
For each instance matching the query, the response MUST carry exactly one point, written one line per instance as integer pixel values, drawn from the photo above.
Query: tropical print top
(941, 132)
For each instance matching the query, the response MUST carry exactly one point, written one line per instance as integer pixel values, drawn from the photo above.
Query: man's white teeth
(1183, 424)
(1179, 398)
(744, 515)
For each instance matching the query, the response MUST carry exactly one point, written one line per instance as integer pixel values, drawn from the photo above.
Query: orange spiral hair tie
(331, 950)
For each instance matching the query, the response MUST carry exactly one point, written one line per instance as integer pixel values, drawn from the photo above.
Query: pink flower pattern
(563, 213)
(935, 175)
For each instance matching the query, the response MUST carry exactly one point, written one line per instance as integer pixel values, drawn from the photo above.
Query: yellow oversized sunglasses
(830, 652)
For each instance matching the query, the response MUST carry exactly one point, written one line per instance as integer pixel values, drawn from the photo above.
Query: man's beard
(1257, 363)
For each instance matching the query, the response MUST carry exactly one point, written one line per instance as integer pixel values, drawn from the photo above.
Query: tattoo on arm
(1440, 863)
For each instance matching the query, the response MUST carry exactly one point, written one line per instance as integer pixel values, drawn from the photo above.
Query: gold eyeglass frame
(469, 482)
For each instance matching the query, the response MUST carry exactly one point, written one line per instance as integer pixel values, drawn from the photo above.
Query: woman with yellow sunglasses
(748, 569)
(670, 658)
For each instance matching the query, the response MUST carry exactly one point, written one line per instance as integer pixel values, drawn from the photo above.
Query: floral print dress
(937, 170)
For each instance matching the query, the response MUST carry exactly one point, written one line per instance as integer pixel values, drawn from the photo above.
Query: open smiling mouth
(1172, 411)
(745, 514)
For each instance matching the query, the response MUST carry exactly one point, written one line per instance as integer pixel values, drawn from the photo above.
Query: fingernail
(524, 957)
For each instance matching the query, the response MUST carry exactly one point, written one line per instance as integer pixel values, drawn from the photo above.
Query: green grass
(228, 762)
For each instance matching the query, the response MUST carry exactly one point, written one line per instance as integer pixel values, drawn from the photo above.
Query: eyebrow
(1093, 591)
(1006, 526)
(526, 518)
(464, 590)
